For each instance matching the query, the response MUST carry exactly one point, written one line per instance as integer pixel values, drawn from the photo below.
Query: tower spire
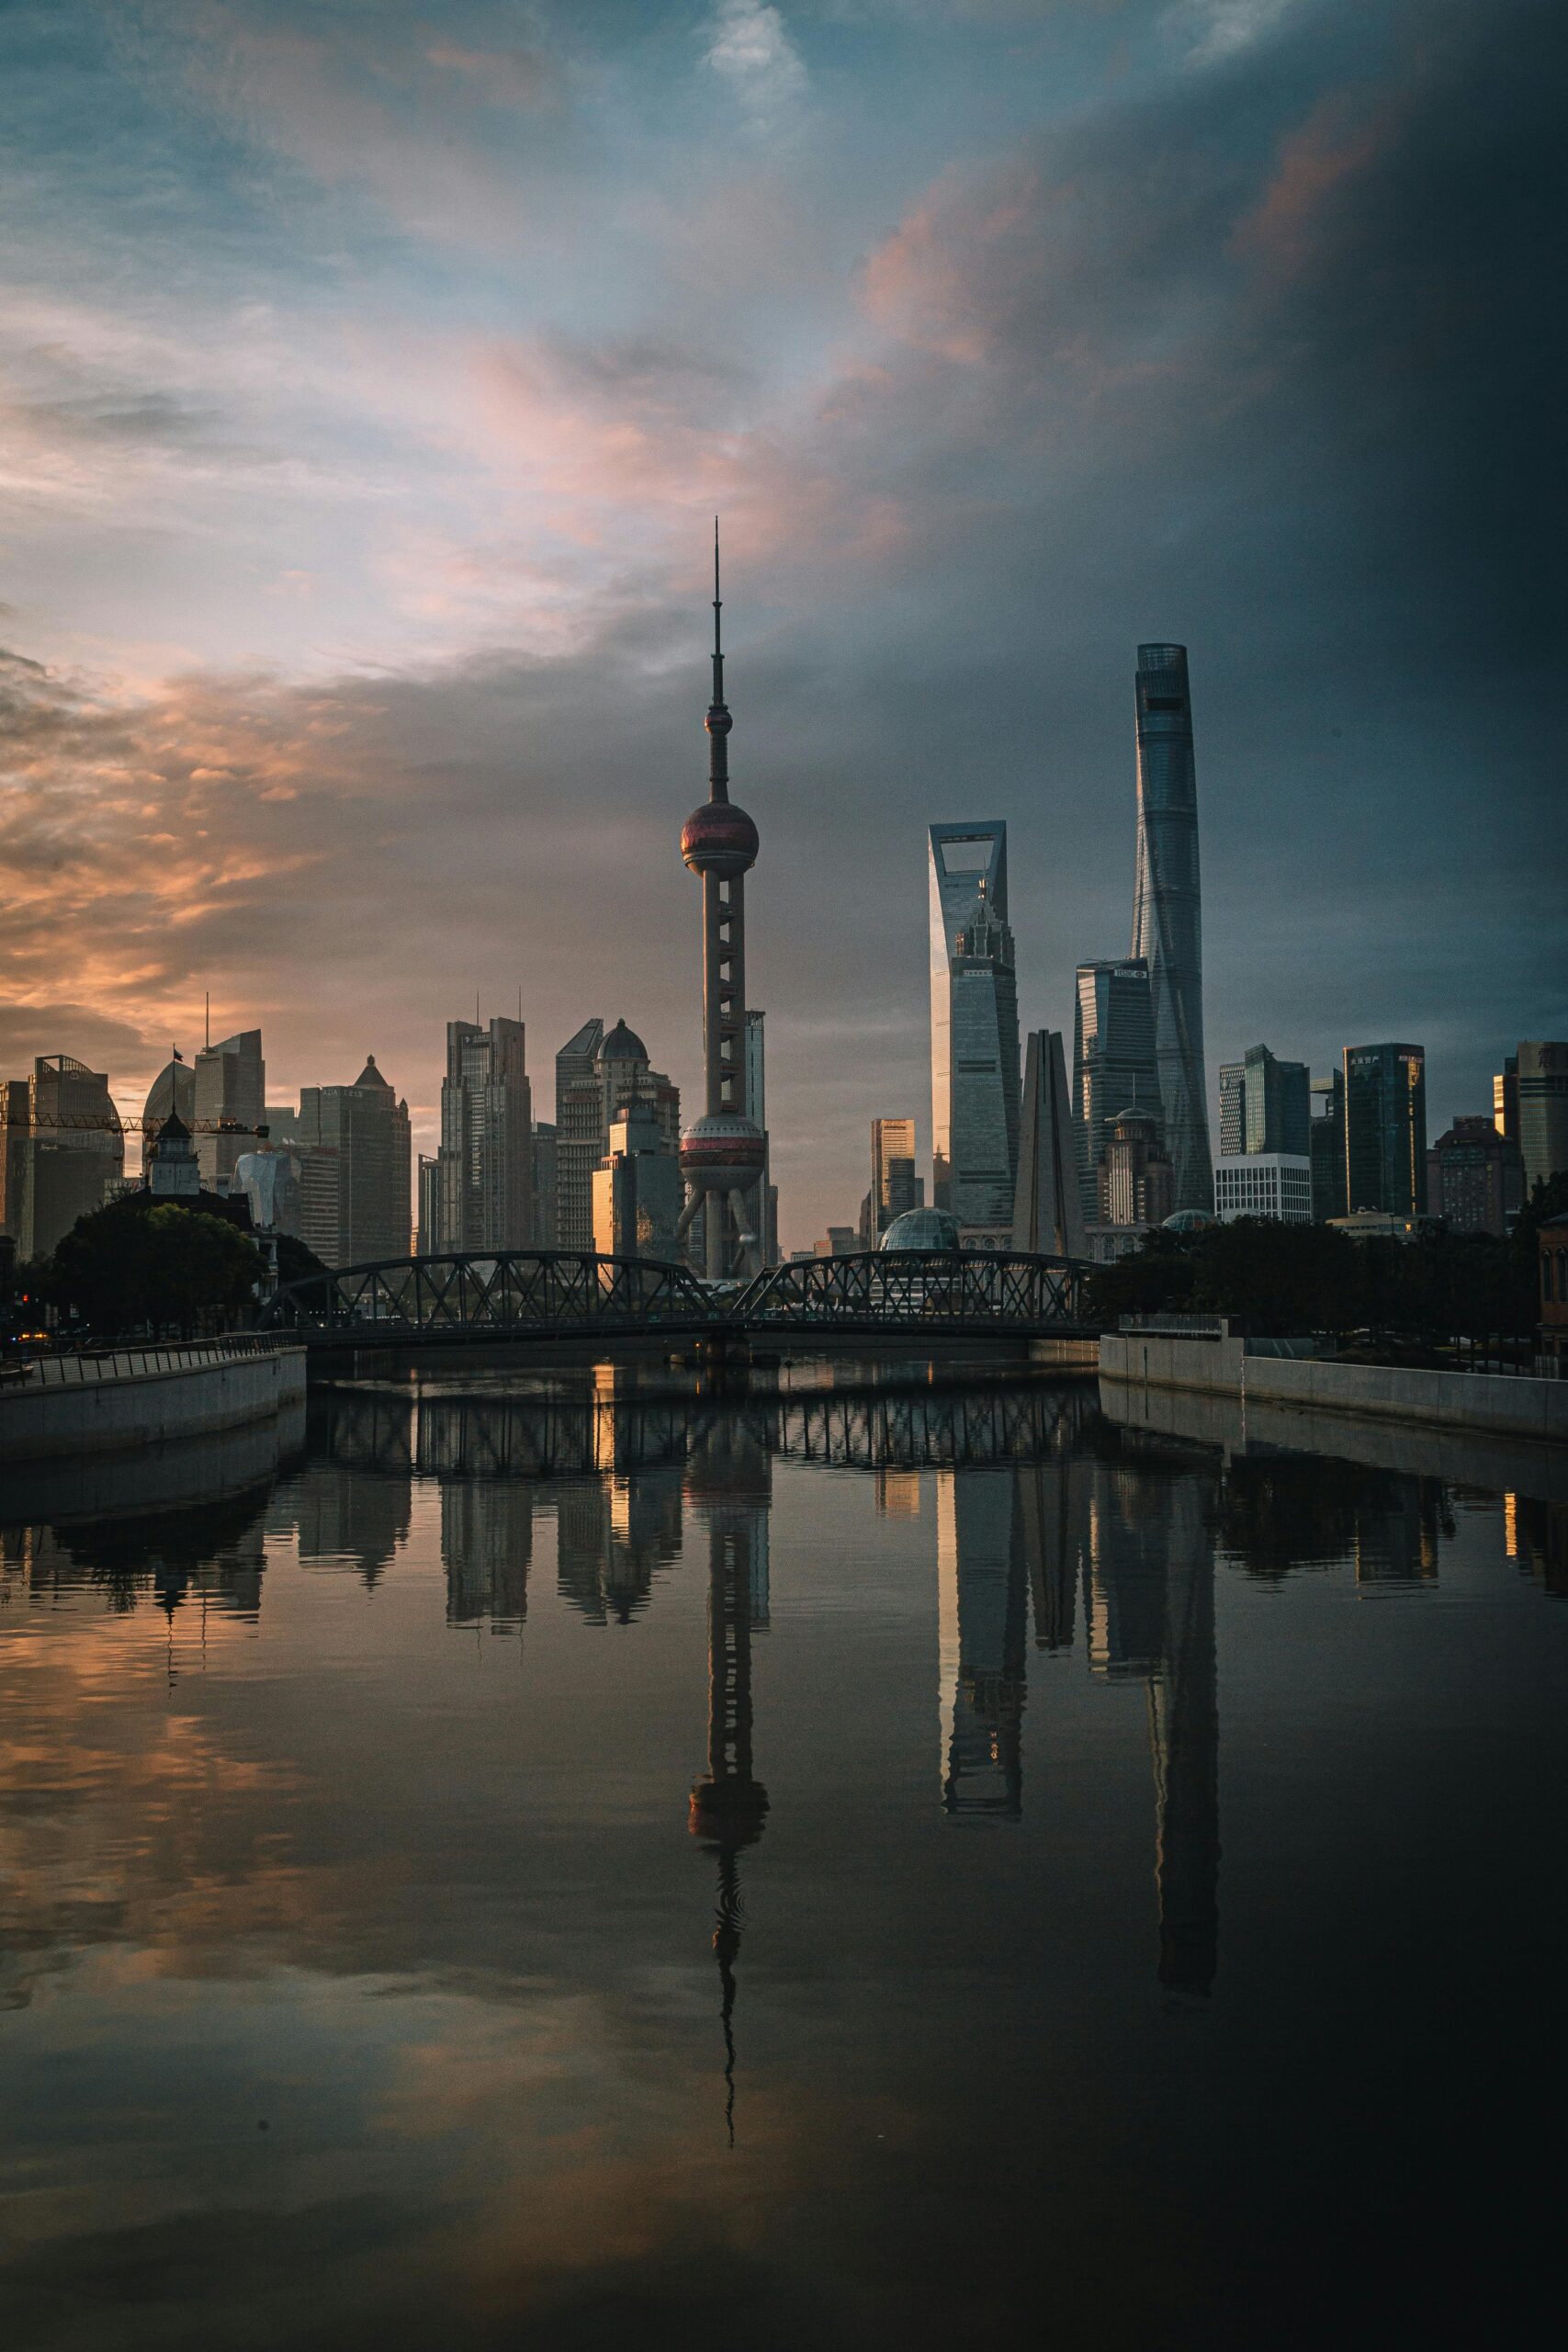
(719, 721)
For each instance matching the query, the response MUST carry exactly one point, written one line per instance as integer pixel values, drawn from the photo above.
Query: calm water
(893, 1865)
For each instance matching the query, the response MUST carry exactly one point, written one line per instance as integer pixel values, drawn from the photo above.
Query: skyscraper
(61, 1148)
(354, 1169)
(481, 1194)
(1167, 913)
(895, 1186)
(1326, 1147)
(1544, 1111)
(1264, 1105)
(975, 1075)
(231, 1085)
(765, 1216)
(579, 1140)
(722, 1154)
(1047, 1214)
(1385, 1129)
(1114, 1067)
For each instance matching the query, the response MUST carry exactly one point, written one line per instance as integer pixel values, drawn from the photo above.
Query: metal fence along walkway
(526, 1295)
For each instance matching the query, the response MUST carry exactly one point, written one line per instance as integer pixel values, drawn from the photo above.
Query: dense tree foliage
(127, 1266)
(1301, 1278)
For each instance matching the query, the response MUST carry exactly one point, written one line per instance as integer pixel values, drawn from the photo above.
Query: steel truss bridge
(541, 1295)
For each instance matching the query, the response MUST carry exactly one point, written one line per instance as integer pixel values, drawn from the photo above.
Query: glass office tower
(1167, 913)
(1115, 1065)
(1385, 1129)
(975, 1074)
(1264, 1105)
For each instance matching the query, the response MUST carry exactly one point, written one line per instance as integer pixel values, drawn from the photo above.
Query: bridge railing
(550, 1291)
(915, 1289)
(492, 1290)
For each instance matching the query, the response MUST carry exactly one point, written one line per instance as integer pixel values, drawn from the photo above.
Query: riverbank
(125, 1398)
(1482, 1404)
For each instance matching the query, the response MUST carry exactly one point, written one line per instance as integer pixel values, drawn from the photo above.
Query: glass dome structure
(922, 1229)
(1186, 1221)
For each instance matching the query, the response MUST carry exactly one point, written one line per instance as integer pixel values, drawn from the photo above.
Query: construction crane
(91, 1122)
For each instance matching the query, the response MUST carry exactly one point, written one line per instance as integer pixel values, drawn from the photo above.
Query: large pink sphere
(718, 838)
(722, 1153)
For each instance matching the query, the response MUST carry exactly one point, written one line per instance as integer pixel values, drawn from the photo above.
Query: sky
(371, 372)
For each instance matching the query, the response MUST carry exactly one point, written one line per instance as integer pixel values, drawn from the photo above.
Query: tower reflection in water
(730, 1483)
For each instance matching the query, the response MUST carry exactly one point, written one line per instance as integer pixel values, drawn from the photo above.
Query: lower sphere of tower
(722, 1153)
(718, 838)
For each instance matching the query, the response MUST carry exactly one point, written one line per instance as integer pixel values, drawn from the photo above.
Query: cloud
(750, 50)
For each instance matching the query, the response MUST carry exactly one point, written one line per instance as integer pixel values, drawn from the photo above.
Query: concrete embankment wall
(1483, 1402)
(144, 1398)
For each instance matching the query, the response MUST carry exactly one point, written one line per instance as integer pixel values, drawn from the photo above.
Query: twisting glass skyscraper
(1166, 913)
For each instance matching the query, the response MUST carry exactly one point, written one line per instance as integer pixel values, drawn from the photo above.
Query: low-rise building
(1475, 1178)
(1264, 1183)
(1552, 1251)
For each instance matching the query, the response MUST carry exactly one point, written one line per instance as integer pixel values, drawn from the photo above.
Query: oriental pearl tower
(722, 1155)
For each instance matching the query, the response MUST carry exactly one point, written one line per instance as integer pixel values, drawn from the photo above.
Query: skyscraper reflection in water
(982, 1598)
(1151, 1612)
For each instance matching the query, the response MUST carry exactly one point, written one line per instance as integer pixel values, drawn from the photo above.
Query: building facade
(1115, 1068)
(1047, 1214)
(231, 1090)
(1264, 1183)
(355, 1163)
(1135, 1179)
(638, 1193)
(580, 1136)
(895, 1184)
(974, 1046)
(481, 1193)
(1326, 1147)
(1544, 1111)
(62, 1149)
(1385, 1129)
(1475, 1178)
(1264, 1105)
(170, 1094)
(1168, 912)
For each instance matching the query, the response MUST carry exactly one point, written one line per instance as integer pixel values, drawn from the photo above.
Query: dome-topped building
(172, 1095)
(622, 1044)
(924, 1230)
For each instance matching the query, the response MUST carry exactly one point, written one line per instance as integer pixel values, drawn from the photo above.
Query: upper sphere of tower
(719, 838)
(719, 721)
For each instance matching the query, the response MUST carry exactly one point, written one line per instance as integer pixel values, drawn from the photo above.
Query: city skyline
(354, 593)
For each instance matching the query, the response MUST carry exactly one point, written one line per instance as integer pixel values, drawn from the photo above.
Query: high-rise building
(1385, 1129)
(765, 1213)
(1326, 1147)
(230, 1089)
(1115, 1068)
(547, 1183)
(1475, 1178)
(1136, 1182)
(1544, 1111)
(1047, 1219)
(599, 1074)
(722, 1154)
(580, 1135)
(636, 1191)
(1264, 1105)
(354, 1166)
(895, 1186)
(61, 1148)
(974, 1073)
(481, 1195)
(1506, 1099)
(1264, 1183)
(1166, 912)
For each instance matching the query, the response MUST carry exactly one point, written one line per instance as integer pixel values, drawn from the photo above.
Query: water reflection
(482, 1938)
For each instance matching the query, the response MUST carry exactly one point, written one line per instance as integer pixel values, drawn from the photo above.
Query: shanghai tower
(1166, 913)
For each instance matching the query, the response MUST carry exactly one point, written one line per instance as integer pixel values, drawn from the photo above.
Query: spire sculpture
(722, 1154)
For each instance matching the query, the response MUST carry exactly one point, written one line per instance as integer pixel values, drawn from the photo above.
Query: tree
(127, 1265)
